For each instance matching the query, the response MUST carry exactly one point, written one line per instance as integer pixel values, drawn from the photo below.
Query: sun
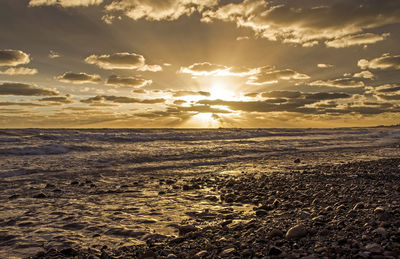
(220, 90)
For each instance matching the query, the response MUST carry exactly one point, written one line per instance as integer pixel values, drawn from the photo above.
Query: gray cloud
(364, 74)
(78, 78)
(25, 89)
(10, 57)
(21, 104)
(309, 24)
(121, 99)
(209, 69)
(128, 81)
(19, 71)
(340, 82)
(188, 93)
(122, 60)
(58, 99)
(268, 75)
(64, 3)
(357, 39)
(157, 10)
(385, 62)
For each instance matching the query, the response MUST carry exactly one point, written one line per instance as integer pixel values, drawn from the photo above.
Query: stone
(359, 206)
(275, 233)
(202, 253)
(186, 229)
(261, 212)
(227, 251)
(374, 248)
(40, 196)
(380, 231)
(274, 251)
(296, 232)
(297, 160)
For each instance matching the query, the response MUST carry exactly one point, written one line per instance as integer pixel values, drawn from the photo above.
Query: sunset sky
(199, 63)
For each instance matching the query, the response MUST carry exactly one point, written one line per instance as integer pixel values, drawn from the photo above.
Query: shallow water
(101, 187)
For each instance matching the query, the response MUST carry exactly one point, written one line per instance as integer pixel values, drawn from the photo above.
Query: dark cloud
(268, 75)
(121, 99)
(128, 81)
(188, 93)
(122, 60)
(57, 99)
(25, 89)
(21, 104)
(340, 82)
(282, 94)
(357, 39)
(340, 23)
(386, 61)
(78, 78)
(10, 57)
(139, 91)
(156, 10)
(64, 3)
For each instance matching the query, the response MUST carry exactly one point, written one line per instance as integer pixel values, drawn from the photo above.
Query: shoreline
(348, 210)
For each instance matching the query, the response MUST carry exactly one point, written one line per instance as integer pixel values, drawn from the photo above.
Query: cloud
(358, 39)
(21, 104)
(364, 74)
(123, 60)
(78, 78)
(321, 65)
(158, 10)
(54, 54)
(128, 81)
(268, 75)
(64, 3)
(340, 82)
(283, 101)
(25, 89)
(121, 99)
(139, 91)
(188, 93)
(58, 99)
(179, 102)
(385, 62)
(19, 71)
(209, 69)
(388, 88)
(309, 24)
(11, 58)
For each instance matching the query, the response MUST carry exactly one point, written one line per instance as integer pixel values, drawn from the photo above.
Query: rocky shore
(350, 210)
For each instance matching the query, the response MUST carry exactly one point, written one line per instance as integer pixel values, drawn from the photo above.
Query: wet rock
(296, 232)
(274, 251)
(374, 248)
(275, 233)
(359, 206)
(186, 229)
(261, 212)
(40, 196)
(202, 253)
(13, 197)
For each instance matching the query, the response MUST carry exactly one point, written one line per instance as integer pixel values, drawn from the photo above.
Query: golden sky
(199, 63)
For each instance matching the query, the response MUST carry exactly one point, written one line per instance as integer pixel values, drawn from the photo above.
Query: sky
(199, 63)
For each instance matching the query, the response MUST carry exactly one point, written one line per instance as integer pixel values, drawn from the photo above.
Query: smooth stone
(374, 248)
(296, 232)
(275, 233)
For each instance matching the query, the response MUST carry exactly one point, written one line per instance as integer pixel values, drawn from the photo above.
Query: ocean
(92, 187)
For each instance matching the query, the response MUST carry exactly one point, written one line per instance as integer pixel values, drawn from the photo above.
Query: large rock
(296, 232)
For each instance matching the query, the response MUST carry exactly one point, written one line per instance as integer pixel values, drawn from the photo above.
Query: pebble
(275, 233)
(374, 248)
(186, 229)
(274, 251)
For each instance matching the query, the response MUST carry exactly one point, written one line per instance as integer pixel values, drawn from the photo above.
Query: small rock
(359, 206)
(297, 160)
(261, 212)
(202, 253)
(14, 196)
(74, 183)
(186, 229)
(69, 252)
(296, 232)
(40, 196)
(374, 248)
(227, 251)
(380, 231)
(171, 256)
(275, 233)
(274, 251)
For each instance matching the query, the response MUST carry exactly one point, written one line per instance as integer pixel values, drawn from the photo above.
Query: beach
(228, 193)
